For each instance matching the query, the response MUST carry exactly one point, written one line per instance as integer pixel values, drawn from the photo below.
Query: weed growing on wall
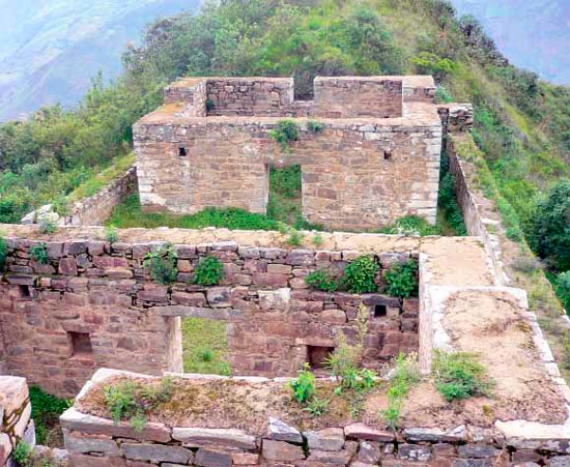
(360, 275)
(401, 280)
(460, 376)
(304, 385)
(23, 454)
(285, 132)
(131, 401)
(48, 227)
(405, 376)
(39, 253)
(111, 234)
(161, 264)
(315, 127)
(321, 280)
(209, 271)
(563, 288)
(317, 406)
(317, 240)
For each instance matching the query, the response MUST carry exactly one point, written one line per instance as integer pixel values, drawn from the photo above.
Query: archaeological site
(340, 346)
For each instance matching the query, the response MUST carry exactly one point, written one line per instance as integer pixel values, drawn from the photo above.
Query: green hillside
(522, 124)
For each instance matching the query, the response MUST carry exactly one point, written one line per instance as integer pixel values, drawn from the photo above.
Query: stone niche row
(94, 441)
(15, 413)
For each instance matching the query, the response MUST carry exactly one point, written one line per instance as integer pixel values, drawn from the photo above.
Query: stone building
(368, 147)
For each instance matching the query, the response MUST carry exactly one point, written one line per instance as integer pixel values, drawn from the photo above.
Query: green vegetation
(411, 226)
(402, 280)
(317, 406)
(295, 238)
(46, 410)
(128, 400)
(39, 253)
(304, 386)
(23, 454)
(460, 376)
(161, 264)
(285, 133)
(111, 234)
(405, 376)
(3, 253)
(321, 280)
(447, 200)
(549, 227)
(209, 271)
(563, 288)
(315, 127)
(360, 275)
(204, 345)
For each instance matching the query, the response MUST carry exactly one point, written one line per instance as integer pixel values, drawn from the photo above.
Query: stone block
(157, 453)
(84, 444)
(330, 439)
(245, 458)
(81, 460)
(212, 458)
(478, 451)
(336, 317)
(278, 430)
(361, 431)
(223, 437)
(369, 452)
(219, 296)
(414, 452)
(281, 451)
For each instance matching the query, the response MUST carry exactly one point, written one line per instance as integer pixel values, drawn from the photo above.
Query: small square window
(182, 151)
(80, 343)
(317, 356)
(387, 155)
(380, 311)
(24, 291)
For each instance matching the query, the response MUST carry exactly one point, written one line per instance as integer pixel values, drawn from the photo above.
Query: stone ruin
(368, 147)
(92, 305)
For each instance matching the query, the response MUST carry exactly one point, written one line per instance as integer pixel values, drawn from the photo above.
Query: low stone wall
(15, 417)
(93, 305)
(94, 210)
(97, 442)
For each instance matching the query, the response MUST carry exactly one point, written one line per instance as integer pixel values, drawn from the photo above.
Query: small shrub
(46, 409)
(563, 288)
(23, 454)
(401, 280)
(317, 240)
(460, 376)
(60, 206)
(285, 132)
(48, 227)
(317, 407)
(295, 238)
(207, 355)
(209, 271)
(315, 127)
(304, 386)
(360, 275)
(526, 264)
(321, 280)
(343, 364)
(161, 264)
(39, 253)
(3, 253)
(405, 376)
(131, 401)
(111, 234)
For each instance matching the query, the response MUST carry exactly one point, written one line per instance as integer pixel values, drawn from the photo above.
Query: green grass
(204, 345)
(94, 184)
(46, 410)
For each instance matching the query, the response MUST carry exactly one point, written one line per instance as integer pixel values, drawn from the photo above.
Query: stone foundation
(15, 417)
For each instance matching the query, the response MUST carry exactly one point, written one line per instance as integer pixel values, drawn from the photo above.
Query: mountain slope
(533, 34)
(51, 49)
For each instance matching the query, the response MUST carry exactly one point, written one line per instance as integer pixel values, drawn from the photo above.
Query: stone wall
(94, 210)
(15, 417)
(97, 442)
(356, 175)
(374, 159)
(93, 305)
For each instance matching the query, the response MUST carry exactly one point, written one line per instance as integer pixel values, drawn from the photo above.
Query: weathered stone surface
(560, 461)
(369, 452)
(281, 451)
(224, 437)
(415, 452)
(245, 458)
(361, 431)
(74, 420)
(278, 430)
(478, 451)
(330, 439)
(157, 453)
(210, 458)
(85, 445)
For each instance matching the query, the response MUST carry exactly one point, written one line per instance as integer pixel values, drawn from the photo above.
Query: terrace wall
(94, 306)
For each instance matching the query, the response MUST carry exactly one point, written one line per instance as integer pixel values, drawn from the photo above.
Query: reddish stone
(68, 266)
(270, 280)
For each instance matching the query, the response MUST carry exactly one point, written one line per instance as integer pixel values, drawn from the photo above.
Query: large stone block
(281, 451)
(157, 453)
(206, 436)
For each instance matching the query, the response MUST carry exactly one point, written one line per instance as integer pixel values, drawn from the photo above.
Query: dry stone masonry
(374, 158)
(15, 412)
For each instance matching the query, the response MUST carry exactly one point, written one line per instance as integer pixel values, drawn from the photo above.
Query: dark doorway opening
(80, 343)
(380, 311)
(317, 356)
